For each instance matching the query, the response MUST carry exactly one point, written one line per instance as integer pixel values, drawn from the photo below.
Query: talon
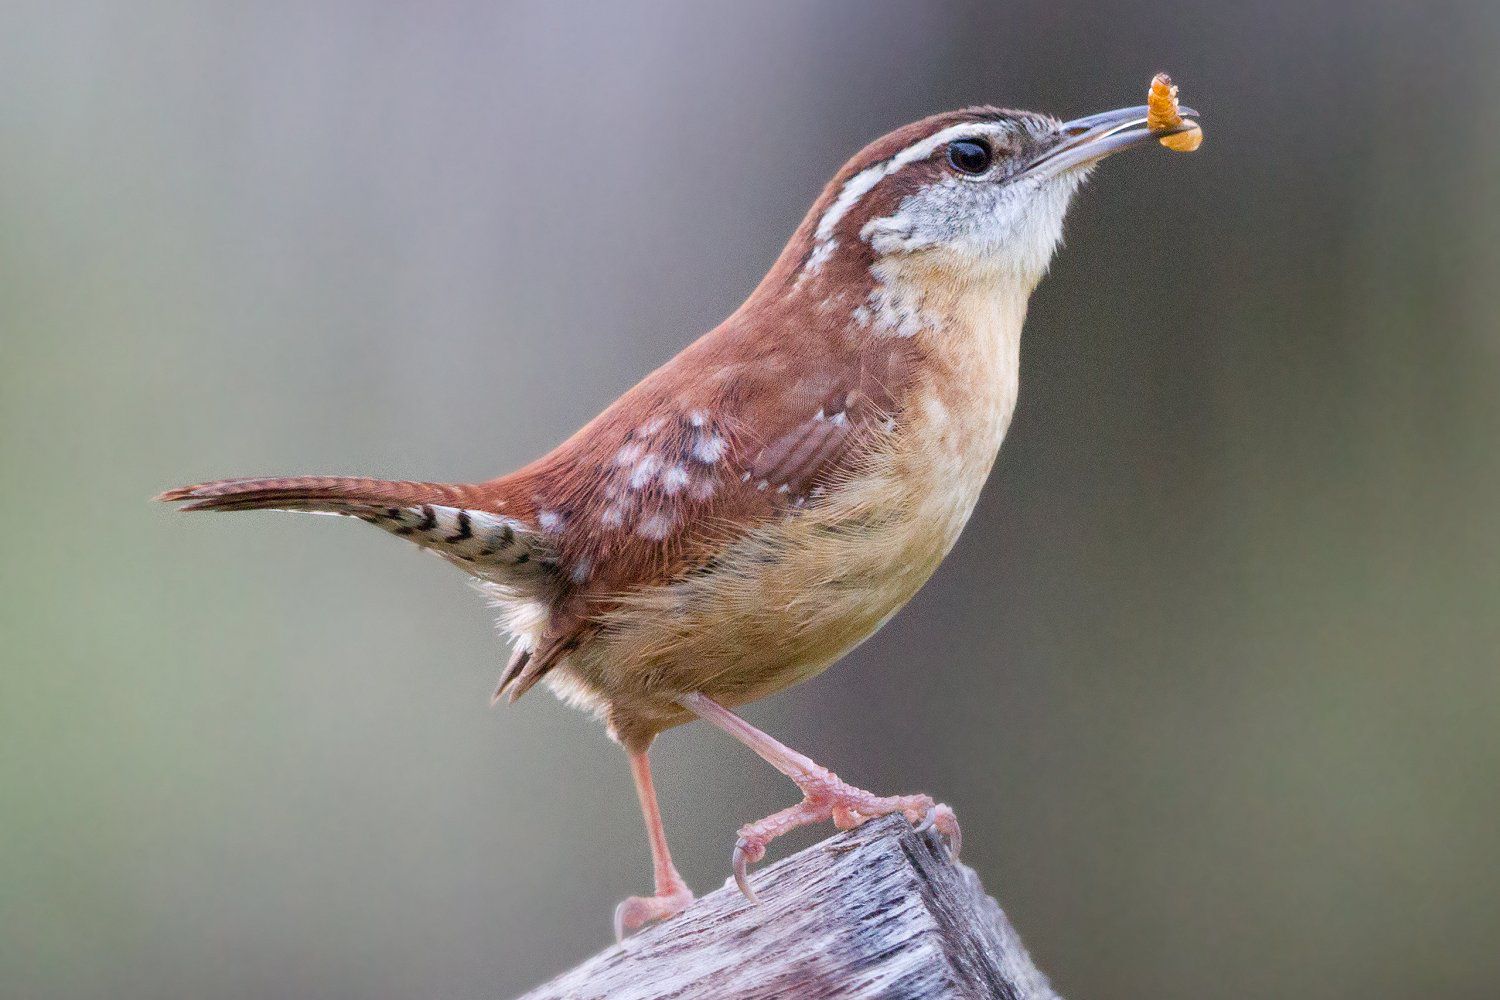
(929, 820)
(947, 824)
(635, 913)
(738, 861)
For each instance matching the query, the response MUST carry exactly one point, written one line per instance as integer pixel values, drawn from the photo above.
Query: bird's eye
(969, 156)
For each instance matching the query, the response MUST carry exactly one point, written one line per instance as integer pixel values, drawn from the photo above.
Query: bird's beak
(1083, 142)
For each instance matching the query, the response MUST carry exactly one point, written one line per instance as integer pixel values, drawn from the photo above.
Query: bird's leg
(825, 797)
(672, 893)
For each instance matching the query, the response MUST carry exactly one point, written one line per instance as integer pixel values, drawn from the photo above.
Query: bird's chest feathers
(958, 413)
(880, 535)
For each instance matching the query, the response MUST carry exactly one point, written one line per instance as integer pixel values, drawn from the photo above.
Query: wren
(771, 496)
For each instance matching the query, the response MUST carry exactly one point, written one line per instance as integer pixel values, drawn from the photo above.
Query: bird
(772, 495)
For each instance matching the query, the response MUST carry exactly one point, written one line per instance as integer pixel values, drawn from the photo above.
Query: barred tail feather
(443, 517)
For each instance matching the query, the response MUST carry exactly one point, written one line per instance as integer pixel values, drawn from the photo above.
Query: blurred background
(1211, 678)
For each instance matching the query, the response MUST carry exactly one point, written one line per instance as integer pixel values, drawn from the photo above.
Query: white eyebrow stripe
(863, 182)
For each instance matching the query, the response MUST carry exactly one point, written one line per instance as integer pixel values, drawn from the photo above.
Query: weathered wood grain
(876, 912)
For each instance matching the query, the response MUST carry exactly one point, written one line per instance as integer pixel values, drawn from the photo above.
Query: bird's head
(978, 192)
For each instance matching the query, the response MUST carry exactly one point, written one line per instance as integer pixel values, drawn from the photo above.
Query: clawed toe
(746, 851)
(828, 798)
(942, 818)
(636, 912)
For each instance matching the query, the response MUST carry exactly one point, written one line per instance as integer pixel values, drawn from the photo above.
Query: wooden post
(875, 912)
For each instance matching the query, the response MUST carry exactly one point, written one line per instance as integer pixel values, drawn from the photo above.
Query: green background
(1211, 679)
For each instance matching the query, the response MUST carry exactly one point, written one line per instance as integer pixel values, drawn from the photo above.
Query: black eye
(969, 156)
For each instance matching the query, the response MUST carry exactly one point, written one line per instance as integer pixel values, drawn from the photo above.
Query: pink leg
(672, 893)
(825, 797)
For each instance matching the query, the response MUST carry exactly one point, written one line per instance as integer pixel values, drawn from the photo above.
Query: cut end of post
(849, 918)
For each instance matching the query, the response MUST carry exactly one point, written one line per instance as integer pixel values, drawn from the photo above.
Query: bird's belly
(792, 596)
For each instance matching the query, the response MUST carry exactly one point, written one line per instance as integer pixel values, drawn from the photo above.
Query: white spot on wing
(709, 448)
(644, 470)
(674, 479)
(550, 520)
(656, 527)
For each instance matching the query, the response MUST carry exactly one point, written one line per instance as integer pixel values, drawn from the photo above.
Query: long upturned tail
(460, 522)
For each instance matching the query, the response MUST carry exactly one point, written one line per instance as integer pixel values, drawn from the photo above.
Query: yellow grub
(1162, 113)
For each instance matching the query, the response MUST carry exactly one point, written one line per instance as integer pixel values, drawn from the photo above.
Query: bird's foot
(636, 912)
(826, 797)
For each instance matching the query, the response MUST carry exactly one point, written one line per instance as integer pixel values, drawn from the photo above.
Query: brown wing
(686, 462)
